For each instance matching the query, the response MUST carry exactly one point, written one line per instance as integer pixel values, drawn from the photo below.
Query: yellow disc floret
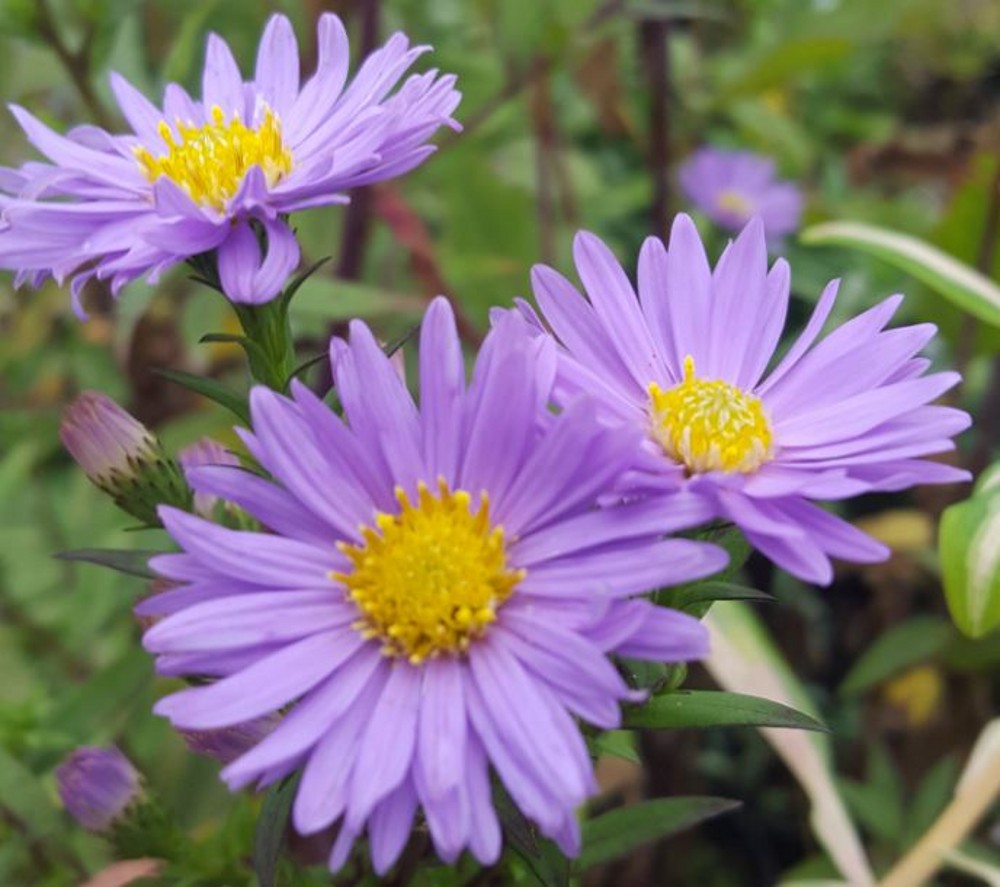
(430, 579)
(710, 425)
(210, 161)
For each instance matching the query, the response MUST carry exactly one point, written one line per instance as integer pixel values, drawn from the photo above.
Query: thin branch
(77, 64)
(540, 106)
(654, 35)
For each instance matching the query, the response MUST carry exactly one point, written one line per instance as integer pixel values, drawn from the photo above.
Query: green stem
(271, 351)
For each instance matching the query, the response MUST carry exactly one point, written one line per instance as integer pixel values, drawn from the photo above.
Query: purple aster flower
(97, 785)
(687, 364)
(216, 174)
(732, 187)
(439, 595)
(205, 452)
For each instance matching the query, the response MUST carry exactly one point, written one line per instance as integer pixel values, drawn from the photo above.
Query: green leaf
(269, 836)
(235, 403)
(902, 646)
(708, 592)
(713, 708)
(621, 831)
(617, 743)
(132, 563)
(544, 860)
(969, 550)
(964, 286)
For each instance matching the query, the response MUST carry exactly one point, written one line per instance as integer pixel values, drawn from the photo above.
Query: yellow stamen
(710, 425)
(733, 202)
(210, 161)
(430, 579)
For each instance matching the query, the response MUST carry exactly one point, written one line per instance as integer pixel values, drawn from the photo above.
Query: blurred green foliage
(887, 116)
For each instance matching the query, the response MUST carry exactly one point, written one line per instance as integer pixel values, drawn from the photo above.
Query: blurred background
(577, 114)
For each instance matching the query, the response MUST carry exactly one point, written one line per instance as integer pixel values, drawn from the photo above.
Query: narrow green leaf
(226, 397)
(713, 708)
(132, 563)
(969, 549)
(544, 860)
(269, 836)
(621, 831)
(301, 278)
(708, 592)
(902, 646)
(956, 281)
(225, 338)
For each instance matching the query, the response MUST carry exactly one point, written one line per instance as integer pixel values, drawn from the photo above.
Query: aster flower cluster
(410, 600)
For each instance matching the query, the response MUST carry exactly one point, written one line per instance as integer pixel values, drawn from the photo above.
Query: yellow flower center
(732, 202)
(710, 425)
(430, 579)
(210, 161)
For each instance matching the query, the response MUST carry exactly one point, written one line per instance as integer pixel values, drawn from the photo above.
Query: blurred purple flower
(686, 363)
(732, 187)
(97, 785)
(220, 173)
(205, 452)
(439, 595)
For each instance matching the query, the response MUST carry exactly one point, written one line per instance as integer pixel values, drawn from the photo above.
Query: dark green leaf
(706, 592)
(269, 836)
(232, 401)
(229, 338)
(713, 708)
(621, 831)
(396, 344)
(544, 860)
(130, 562)
(294, 286)
(916, 640)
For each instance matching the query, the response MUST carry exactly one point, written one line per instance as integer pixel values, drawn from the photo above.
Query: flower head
(732, 187)
(121, 456)
(687, 364)
(220, 173)
(97, 785)
(439, 594)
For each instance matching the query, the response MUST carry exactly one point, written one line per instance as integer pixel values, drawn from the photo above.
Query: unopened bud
(122, 457)
(97, 786)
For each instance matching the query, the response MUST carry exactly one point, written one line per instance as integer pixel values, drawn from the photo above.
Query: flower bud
(205, 452)
(122, 457)
(97, 785)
